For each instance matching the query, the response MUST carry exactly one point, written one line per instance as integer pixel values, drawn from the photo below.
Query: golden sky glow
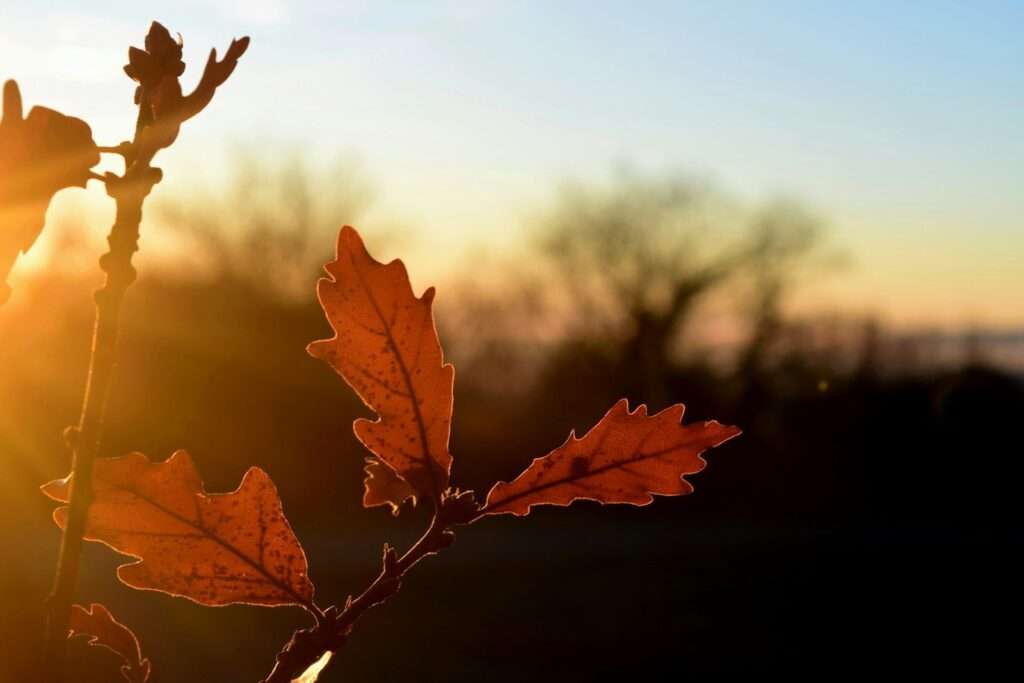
(901, 125)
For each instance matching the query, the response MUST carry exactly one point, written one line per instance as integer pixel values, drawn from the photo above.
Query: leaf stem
(307, 646)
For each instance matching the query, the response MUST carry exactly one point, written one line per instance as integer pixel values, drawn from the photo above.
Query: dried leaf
(157, 70)
(384, 487)
(103, 630)
(214, 549)
(161, 58)
(386, 347)
(39, 156)
(625, 458)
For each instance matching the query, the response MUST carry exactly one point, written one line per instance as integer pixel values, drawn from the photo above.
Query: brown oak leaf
(40, 155)
(212, 548)
(103, 630)
(386, 347)
(626, 458)
(384, 487)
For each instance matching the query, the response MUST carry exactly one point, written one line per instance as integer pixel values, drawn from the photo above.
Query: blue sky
(901, 122)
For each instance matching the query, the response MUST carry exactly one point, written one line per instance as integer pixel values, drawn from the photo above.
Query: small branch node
(70, 435)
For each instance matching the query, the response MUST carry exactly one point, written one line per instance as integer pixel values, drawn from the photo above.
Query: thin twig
(129, 192)
(307, 646)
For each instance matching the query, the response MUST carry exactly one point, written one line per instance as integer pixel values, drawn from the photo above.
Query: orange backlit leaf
(40, 155)
(626, 458)
(214, 549)
(384, 487)
(386, 348)
(103, 630)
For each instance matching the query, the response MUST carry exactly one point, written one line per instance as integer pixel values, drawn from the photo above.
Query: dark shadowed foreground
(870, 522)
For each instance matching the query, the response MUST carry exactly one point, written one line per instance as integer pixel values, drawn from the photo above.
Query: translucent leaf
(386, 347)
(212, 548)
(104, 631)
(626, 458)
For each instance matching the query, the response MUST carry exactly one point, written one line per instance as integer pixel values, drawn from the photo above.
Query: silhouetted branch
(129, 192)
(307, 646)
(156, 69)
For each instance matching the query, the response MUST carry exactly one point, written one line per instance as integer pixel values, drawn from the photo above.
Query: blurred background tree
(638, 258)
(273, 226)
(836, 505)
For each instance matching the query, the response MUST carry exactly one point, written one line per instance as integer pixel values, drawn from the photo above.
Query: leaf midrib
(428, 461)
(493, 507)
(224, 544)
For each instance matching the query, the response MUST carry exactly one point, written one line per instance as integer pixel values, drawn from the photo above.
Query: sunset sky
(903, 123)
